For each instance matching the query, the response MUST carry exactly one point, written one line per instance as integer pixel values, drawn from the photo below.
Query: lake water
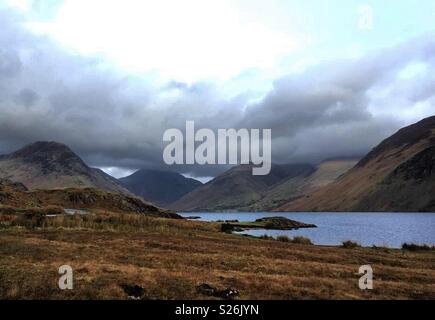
(71, 212)
(76, 211)
(368, 229)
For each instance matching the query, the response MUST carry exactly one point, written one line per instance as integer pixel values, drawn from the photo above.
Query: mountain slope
(397, 175)
(238, 189)
(410, 187)
(50, 165)
(159, 187)
(14, 195)
(296, 187)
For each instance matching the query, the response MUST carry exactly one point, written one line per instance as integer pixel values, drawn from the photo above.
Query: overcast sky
(108, 77)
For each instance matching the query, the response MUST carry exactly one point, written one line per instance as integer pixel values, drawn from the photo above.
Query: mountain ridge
(377, 181)
(158, 186)
(237, 188)
(52, 165)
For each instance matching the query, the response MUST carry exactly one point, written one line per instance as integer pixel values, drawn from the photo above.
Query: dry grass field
(171, 258)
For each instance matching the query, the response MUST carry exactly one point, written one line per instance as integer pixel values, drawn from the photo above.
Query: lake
(368, 229)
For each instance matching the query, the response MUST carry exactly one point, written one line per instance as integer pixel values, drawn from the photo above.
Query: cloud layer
(337, 108)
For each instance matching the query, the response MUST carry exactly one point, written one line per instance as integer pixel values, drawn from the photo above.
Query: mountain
(159, 187)
(397, 175)
(14, 196)
(296, 187)
(238, 189)
(52, 165)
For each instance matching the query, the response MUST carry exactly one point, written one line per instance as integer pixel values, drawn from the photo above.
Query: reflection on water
(380, 229)
(76, 211)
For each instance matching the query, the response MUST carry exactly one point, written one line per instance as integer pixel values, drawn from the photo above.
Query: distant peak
(42, 146)
(46, 151)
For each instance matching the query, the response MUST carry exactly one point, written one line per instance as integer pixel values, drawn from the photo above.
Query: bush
(417, 247)
(301, 240)
(283, 239)
(266, 237)
(350, 244)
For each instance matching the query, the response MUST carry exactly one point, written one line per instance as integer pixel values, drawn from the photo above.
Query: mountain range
(238, 190)
(397, 175)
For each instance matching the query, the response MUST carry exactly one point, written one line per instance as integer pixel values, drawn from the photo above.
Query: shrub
(283, 239)
(301, 240)
(417, 247)
(384, 248)
(350, 244)
(266, 237)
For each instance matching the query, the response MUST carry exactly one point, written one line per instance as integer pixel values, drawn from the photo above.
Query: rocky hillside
(299, 186)
(16, 195)
(397, 175)
(159, 187)
(238, 189)
(52, 165)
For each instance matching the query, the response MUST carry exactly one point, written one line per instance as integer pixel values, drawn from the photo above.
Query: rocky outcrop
(268, 223)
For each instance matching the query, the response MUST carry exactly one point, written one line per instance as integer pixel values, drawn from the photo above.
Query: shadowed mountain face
(397, 175)
(52, 165)
(238, 189)
(159, 187)
(296, 187)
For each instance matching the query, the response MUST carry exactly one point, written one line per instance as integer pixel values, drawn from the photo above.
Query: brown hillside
(366, 188)
(16, 195)
(52, 165)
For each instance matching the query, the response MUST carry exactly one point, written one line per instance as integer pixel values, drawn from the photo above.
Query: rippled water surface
(380, 229)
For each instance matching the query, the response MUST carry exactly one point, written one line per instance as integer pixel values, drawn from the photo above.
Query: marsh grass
(97, 220)
(301, 240)
(286, 239)
(170, 258)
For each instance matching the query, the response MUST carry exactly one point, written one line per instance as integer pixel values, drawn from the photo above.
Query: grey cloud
(326, 111)
(114, 120)
(26, 97)
(10, 64)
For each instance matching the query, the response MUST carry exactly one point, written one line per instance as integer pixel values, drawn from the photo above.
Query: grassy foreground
(171, 258)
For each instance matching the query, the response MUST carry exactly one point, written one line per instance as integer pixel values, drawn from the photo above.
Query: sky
(108, 77)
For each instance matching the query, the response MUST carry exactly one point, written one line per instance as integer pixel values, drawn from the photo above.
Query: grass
(169, 259)
(48, 210)
(97, 220)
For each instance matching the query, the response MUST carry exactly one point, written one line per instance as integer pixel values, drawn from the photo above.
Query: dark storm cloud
(327, 111)
(113, 120)
(108, 118)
